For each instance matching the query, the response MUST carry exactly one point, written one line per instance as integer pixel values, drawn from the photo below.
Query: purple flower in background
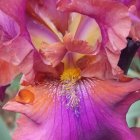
(67, 51)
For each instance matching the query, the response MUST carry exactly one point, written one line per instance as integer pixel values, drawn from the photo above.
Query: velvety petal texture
(7, 72)
(135, 16)
(134, 7)
(128, 2)
(115, 24)
(50, 117)
(54, 54)
(97, 66)
(40, 33)
(46, 10)
(15, 43)
(72, 87)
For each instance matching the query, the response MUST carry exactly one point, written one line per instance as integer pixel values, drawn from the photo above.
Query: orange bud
(25, 96)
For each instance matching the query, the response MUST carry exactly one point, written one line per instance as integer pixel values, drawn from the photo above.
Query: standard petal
(135, 17)
(84, 28)
(9, 29)
(134, 7)
(15, 43)
(16, 10)
(40, 34)
(47, 11)
(14, 37)
(115, 24)
(100, 13)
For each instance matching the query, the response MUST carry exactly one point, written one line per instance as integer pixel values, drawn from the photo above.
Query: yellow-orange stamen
(71, 74)
(25, 96)
(69, 78)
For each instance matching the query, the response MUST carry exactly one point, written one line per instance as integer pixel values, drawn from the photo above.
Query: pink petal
(138, 4)
(84, 28)
(134, 7)
(9, 28)
(37, 107)
(136, 132)
(96, 66)
(14, 31)
(135, 17)
(115, 24)
(123, 106)
(100, 13)
(53, 54)
(36, 70)
(41, 67)
(27, 64)
(16, 10)
(18, 49)
(7, 72)
(128, 2)
(47, 9)
(113, 60)
(15, 43)
(113, 91)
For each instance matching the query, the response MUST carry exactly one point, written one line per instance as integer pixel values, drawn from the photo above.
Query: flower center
(71, 74)
(69, 78)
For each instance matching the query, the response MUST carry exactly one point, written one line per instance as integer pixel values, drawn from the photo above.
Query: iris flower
(72, 87)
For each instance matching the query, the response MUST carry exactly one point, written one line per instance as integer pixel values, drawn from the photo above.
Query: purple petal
(51, 116)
